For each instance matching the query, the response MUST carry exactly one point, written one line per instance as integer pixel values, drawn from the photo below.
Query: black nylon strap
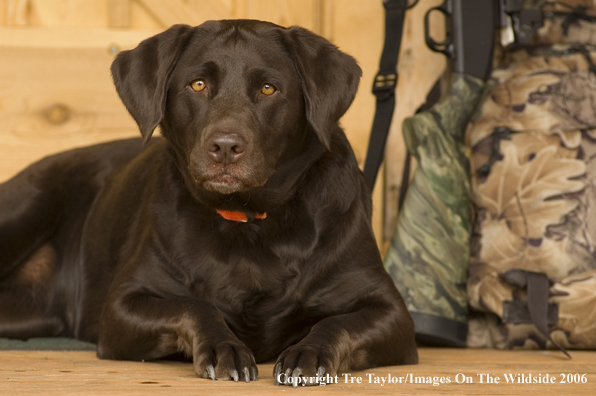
(384, 87)
(537, 285)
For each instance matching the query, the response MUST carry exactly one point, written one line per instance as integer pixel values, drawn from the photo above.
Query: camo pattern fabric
(565, 21)
(429, 252)
(533, 180)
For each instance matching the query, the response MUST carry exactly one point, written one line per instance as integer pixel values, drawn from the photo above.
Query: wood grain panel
(56, 92)
(141, 18)
(189, 12)
(305, 13)
(15, 12)
(62, 13)
(119, 13)
(73, 373)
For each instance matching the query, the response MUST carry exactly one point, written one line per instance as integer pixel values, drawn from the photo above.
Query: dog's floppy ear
(330, 79)
(141, 76)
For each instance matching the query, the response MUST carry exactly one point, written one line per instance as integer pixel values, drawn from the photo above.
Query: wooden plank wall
(56, 91)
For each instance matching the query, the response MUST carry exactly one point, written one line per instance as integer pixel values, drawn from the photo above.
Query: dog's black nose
(226, 148)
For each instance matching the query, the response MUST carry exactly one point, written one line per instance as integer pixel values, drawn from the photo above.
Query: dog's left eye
(268, 89)
(198, 85)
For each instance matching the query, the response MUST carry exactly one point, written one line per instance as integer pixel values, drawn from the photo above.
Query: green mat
(46, 344)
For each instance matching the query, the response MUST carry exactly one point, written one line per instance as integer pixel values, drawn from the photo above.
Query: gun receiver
(470, 33)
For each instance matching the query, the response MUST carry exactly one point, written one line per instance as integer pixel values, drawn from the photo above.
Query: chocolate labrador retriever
(241, 236)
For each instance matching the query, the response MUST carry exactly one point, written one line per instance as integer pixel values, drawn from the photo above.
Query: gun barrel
(473, 27)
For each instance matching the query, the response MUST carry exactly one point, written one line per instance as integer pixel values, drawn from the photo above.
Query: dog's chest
(262, 302)
(242, 282)
(232, 266)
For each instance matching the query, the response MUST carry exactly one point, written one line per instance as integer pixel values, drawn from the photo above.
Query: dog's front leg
(378, 334)
(143, 327)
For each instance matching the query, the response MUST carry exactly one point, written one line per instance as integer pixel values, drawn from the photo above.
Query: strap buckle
(398, 4)
(384, 84)
(526, 22)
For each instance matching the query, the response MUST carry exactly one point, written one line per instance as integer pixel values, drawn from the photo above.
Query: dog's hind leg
(28, 215)
(28, 262)
(25, 298)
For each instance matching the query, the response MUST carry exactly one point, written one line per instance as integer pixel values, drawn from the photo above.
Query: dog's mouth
(224, 183)
(228, 183)
(229, 178)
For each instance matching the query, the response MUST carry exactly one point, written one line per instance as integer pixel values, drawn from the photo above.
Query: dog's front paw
(225, 360)
(305, 365)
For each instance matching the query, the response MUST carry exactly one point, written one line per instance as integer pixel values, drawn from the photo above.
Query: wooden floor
(76, 373)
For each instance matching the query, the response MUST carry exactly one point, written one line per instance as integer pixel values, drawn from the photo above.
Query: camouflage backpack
(532, 277)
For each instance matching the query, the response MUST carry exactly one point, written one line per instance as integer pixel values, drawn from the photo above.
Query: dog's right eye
(268, 89)
(198, 85)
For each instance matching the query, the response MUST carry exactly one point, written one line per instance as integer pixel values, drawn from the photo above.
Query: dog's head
(236, 99)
